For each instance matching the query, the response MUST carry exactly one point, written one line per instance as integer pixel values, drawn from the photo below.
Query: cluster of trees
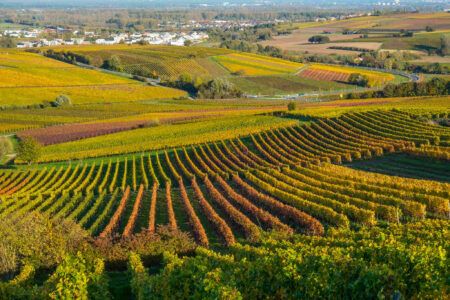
(359, 79)
(434, 87)
(445, 45)
(7, 42)
(252, 34)
(319, 39)
(113, 63)
(67, 56)
(244, 46)
(28, 150)
(218, 88)
(40, 245)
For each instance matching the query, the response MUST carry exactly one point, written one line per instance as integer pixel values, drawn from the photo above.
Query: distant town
(30, 38)
(177, 34)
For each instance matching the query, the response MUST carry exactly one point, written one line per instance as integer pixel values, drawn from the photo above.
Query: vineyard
(30, 79)
(287, 179)
(292, 170)
(256, 65)
(325, 75)
(162, 61)
(341, 73)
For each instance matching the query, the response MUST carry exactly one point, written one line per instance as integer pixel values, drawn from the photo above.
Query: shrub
(319, 39)
(359, 79)
(218, 89)
(61, 100)
(6, 146)
(29, 150)
(78, 277)
(291, 106)
(113, 64)
(38, 241)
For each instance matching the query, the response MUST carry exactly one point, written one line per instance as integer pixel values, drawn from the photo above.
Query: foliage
(6, 147)
(433, 87)
(358, 79)
(369, 264)
(38, 241)
(218, 89)
(149, 245)
(62, 100)
(78, 277)
(319, 39)
(291, 106)
(7, 42)
(114, 64)
(29, 150)
(445, 44)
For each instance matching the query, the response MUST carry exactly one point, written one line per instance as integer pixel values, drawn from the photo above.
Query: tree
(291, 106)
(29, 150)
(428, 28)
(6, 146)
(62, 100)
(7, 42)
(319, 39)
(218, 89)
(445, 45)
(359, 79)
(113, 64)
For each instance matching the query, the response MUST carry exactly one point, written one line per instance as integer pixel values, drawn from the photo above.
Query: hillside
(370, 33)
(254, 74)
(271, 179)
(31, 79)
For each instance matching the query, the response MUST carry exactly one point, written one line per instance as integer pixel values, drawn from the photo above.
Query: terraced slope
(285, 179)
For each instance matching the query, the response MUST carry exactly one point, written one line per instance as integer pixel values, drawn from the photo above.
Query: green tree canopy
(319, 39)
(29, 150)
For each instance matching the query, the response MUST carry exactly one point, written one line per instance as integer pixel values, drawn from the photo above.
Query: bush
(78, 278)
(6, 146)
(61, 100)
(359, 79)
(291, 106)
(37, 241)
(113, 64)
(319, 39)
(395, 262)
(29, 150)
(149, 246)
(218, 89)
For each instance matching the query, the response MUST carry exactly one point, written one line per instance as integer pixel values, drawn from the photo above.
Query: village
(37, 37)
(169, 33)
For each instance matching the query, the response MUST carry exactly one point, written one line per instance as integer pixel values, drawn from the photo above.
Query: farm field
(247, 71)
(163, 61)
(30, 79)
(379, 30)
(264, 175)
(282, 84)
(340, 73)
(271, 182)
(231, 182)
(161, 137)
(251, 64)
(405, 166)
